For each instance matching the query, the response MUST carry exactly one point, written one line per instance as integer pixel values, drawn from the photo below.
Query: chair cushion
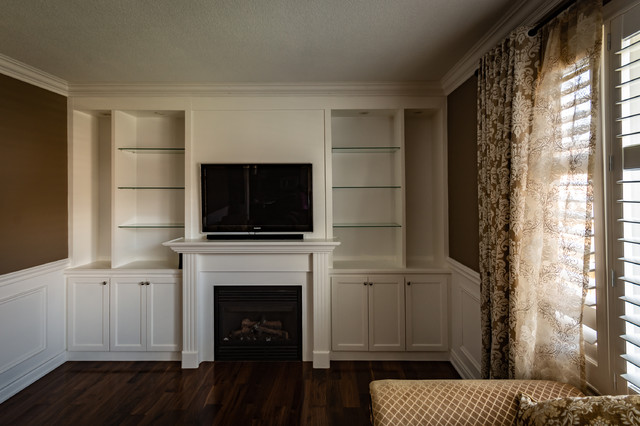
(461, 402)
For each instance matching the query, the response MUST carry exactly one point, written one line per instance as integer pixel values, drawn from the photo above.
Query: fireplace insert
(257, 323)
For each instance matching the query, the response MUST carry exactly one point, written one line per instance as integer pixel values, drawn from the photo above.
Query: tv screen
(256, 198)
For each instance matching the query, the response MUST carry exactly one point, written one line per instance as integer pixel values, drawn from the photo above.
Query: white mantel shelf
(203, 246)
(194, 250)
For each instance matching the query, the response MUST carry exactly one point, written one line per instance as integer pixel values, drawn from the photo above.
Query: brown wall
(33, 176)
(462, 174)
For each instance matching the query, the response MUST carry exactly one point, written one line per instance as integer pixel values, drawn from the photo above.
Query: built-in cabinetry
(388, 312)
(389, 289)
(387, 188)
(123, 313)
(367, 313)
(368, 187)
(128, 188)
(378, 190)
(128, 197)
(149, 185)
(88, 313)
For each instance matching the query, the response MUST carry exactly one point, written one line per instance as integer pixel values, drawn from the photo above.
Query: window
(624, 204)
(627, 115)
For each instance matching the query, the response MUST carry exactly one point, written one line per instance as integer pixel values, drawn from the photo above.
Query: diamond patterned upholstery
(456, 402)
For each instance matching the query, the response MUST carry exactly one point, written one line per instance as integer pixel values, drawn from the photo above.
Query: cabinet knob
(104, 283)
(365, 283)
(146, 283)
(408, 282)
(141, 282)
(370, 283)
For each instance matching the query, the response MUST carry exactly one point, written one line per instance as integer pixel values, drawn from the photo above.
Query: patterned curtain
(537, 128)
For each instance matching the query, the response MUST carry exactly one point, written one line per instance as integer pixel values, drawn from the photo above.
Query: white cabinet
(384, 312)
(124, 313)
(427, 312)
(145, 314)
(368, 313)
(88, 314)
(128, 314)
(350, 313)
(164, 315)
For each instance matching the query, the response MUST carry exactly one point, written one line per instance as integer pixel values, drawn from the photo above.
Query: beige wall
(462, 174)
(33, 176)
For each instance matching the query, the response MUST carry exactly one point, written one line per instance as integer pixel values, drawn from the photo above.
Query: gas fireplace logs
(263, 330)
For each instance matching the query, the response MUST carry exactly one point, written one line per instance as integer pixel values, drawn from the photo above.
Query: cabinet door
(349, 314)
(164, 314)
(427, 300)
(128, 314)
(386, 313)
(87, 314)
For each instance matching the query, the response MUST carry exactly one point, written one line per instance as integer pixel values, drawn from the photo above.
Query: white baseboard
(123, 356)
(389, 356)
(463, 368)
(37, 373)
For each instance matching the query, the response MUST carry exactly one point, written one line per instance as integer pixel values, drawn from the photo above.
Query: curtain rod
(546, 19)
(550, 16)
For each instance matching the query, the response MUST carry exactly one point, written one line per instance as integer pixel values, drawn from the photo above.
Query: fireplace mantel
(198, 252)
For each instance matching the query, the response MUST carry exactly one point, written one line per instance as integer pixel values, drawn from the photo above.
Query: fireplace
(257, 323)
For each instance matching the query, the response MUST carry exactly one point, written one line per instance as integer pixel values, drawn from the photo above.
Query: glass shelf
(152, 226)
(367, 225)
(369, 187)
(365, 149)
(156, 150)
(151, 187)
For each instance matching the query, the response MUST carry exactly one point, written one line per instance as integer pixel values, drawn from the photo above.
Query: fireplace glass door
(258, 323)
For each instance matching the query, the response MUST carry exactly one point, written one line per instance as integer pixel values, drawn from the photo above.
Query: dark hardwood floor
(221, 393)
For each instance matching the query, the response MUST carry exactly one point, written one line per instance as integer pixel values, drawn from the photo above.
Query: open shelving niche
(384, 189)
(128, 188)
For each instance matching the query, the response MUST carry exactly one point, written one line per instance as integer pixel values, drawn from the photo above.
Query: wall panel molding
(30, 338)
(465, 320)
(32, 325)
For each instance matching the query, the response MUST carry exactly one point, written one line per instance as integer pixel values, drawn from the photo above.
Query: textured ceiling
(244, 41)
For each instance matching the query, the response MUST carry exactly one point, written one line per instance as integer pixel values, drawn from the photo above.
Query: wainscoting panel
(32, 325)
(465, 318)
(28, 337)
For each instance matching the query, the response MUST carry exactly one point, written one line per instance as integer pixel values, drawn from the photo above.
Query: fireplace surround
(209, 264)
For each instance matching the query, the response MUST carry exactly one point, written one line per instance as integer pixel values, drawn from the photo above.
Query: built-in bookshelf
(130, 178)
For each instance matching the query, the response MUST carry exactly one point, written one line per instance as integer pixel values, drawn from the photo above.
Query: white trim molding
(201, 255)
(32, 376)
(32, 309)
(427, 88)
(23, 72)
(465, 320)
(26, 274)
(469, 273)
(523, 12)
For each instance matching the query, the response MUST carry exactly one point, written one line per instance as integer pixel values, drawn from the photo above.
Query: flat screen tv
(256, 198)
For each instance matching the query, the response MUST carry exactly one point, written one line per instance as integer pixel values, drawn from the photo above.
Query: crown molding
(429, 88)
(523, 12)
(23, 72)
